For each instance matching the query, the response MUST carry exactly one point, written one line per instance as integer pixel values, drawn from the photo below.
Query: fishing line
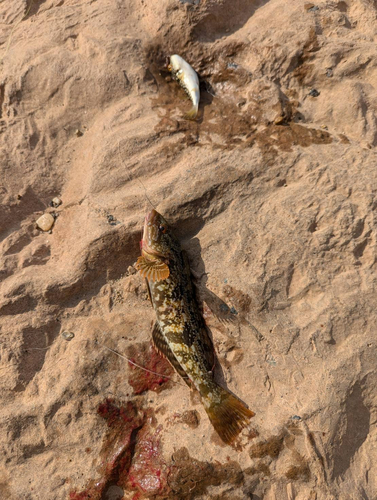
(109, 349)
(138, 180)
(139, 366)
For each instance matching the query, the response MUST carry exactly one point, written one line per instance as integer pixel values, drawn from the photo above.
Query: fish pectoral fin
(163, 348)
(155, 269)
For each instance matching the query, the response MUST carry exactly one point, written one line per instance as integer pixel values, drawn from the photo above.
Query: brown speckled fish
(180, 333)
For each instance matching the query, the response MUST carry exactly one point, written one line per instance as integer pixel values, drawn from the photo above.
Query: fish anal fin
(163, 348)
(155, 270)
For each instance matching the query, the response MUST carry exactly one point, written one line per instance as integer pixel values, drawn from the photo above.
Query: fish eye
(162, 229)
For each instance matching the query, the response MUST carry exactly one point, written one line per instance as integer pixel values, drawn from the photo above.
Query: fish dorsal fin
(155, 270)
(163, 348)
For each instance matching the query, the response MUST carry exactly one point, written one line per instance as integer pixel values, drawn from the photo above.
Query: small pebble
(67, 335)
(79, 133)
(295, 417)
(314, 93)
(313, 9)
(112, 220)
(329, 72)
(55, 202)
(45, 222)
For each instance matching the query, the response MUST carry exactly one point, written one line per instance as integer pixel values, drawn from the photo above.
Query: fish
(180, 333)
(186, 76)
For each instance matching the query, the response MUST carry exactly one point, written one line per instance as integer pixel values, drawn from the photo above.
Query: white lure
(186, 76)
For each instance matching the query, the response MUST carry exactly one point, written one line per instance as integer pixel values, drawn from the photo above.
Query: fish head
(158, 238)
(175, 63)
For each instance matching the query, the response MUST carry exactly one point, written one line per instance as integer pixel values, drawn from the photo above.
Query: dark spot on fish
(177, 292)
(188, 335)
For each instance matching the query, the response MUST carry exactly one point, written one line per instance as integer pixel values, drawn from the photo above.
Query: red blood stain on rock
(117, 449)
(145, 355)
(130, 455)
(148, 471)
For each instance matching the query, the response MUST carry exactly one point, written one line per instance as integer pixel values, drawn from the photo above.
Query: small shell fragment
(67, 335)
(45, 222)
(55, 202)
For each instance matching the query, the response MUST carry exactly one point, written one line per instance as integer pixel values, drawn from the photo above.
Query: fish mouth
(149, 222)
(150, 218)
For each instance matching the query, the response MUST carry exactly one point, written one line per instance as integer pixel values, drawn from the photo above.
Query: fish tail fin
(227, 414)
(193, 113)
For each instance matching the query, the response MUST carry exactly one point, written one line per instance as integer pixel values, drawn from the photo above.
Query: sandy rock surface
(273, 192)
